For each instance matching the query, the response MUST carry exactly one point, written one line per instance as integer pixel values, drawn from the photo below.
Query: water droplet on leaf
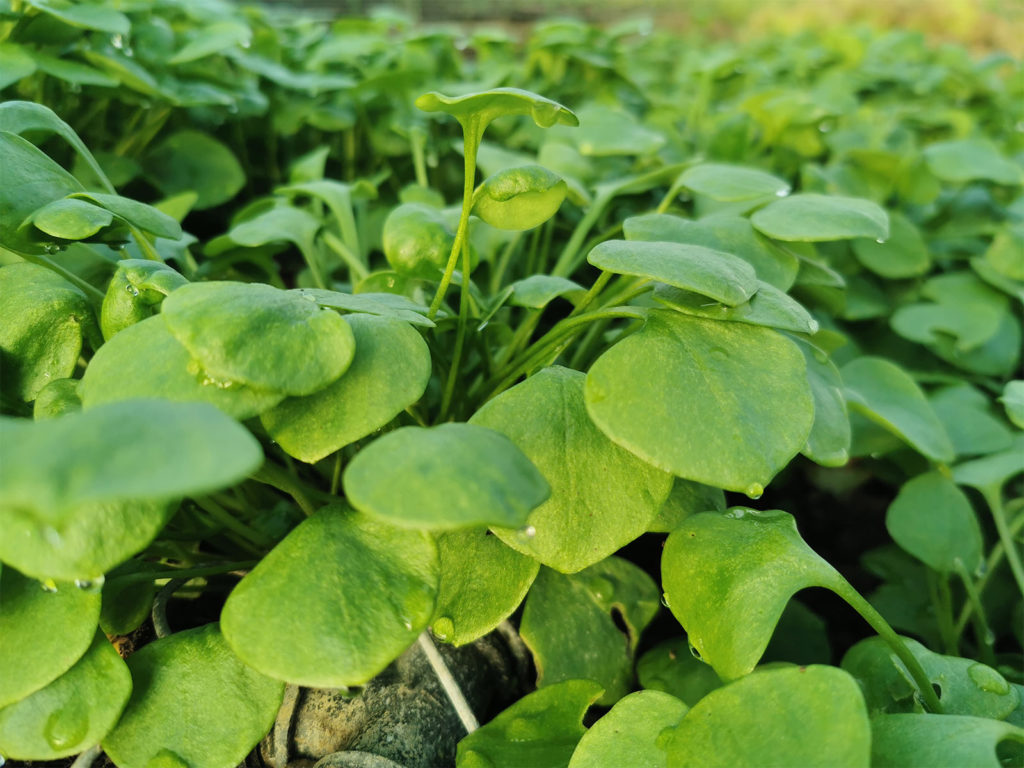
(754, 491)
(880, 240)
(782, 193)
(522, 729)
(664, 601)
(66, 727)
(444, 627)
(988, 680)
(694, 652)
(132, 289)
(49, 585)
(529, 531)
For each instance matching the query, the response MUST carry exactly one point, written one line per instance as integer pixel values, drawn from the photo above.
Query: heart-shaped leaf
(519, 198)
(193, 703)
(43, 632)
(448, 476)
(259, 335)
(718, 275)
(350, 633)
(482, 582)
(602, 497)
(811, 217)
(73, 712)
(924, 741)
(933, 520)
(732, 183)
(568, 624)
(727, 578)
(540, 730)
(888, 396)
(724, 404)
(485, 106)
(389, 373)
(806, 716)
(628, 734)
(133, 450)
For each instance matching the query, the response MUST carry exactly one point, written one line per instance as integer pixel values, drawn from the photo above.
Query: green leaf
(73, 72)
(606, 131)
(73, 712)
(722, 232)
(540, 730)
(724, 404)
(282, 223)
(811, 217)
(1013, 402)
(965, 687)
(43, 632)
(628, 734)
(42, 319)
(686, 498)
(193, 703)
(888, 396)
(727, 578)
(146, 361)
(933, 520)
(192, 160)
(389, 372)
(31, 180)
(963, 307)
(732, 183)
(777, 718)
(568, 624)
(380, 304)
(1003, 255)
(71, 219)
(969, 418)
(830, 438)
(991, 472)
(671, 667)
(85, 15)
(134, 450)
(924, 741)
(417, 241)
(519, 198)
(145, 217)
(135, 293)
(769, 307)
(91, 540)
(126, 604)
(482, 582)
(716, 274)
(448, 476)
(602, 497)
(259, 335)
(904, 254)
(315, 579)
(999, 356)
(214, 38)
(485, 106)
(966, 160)
(537, 291)
(15, 63)
(58, 397)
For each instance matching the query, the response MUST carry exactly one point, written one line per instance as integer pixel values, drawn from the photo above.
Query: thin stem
(942, 599)
(277, 477)
(994, 559)
(846, 591)
(309, 254)
(147, 248)
(460, 335)
(355, 267)
(567, 261)
(503, 262)
(995, 503)
(87, 758)
(183, 573)
(232, 523)
(336, 474)
(160, 625)
(448, 683)
(420, 166)
(595, 289)
(986, 638)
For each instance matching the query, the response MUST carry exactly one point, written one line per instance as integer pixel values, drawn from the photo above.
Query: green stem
(503, 261)
(582, 353)
(309, 254)
(420, 166)
(942, 599)
(994, 500)
(846, 591)
(336, 474)
(356, 269)
(994, 559)
(147, 248)
(986, 638)
(567, 261)
(277, 477)
(232, 523)
(183, 573)
(595, 289)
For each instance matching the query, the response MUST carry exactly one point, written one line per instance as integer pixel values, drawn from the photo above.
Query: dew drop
(50, 249)
(247, 43)
(601, 587)
(782, 193)
(406, 622)
(988, 680)
(75, 87)
(48, 585)
(694, 652)
(522, 729)
(132, 289)
(736, 513)
(53, 537)
(754, 491)
(880, 240)
(443, 628)
(92, 585)
(981, 570)
(165, 758)
(529, 531)
(664, 601)
(66, 727)
(3, 761)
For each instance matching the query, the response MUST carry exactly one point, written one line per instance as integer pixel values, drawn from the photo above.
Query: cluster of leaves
(395, 406)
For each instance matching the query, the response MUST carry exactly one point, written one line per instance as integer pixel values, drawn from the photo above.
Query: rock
(353, 759)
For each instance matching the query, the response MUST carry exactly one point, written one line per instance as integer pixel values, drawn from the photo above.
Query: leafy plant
(235, 374)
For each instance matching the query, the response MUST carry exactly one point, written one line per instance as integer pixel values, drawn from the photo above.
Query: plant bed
(442, 397)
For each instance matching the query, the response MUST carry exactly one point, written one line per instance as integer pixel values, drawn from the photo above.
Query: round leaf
(145, 361)
(718, 275)
(727, 578)
(966, 160)
(71, 219)
(485, 106)
(723, 404)
(193, 703)
(778, 718)
(449, 476)
(628, 734)
(769, 307)
(932, 520)
(192, 160)
(137, 449)
(482, 582)
(417, 241)
(602, 497)
(973, 424)
(259, 335)
(1013, 402)
(316, 579)
(43, 632)
(903, 254)
(73, 712)
(686, 498)
(732, 183)
(520, 198)
(390, 372)
(671, 667)
(924, 741)
(812, 217)
(830, 438)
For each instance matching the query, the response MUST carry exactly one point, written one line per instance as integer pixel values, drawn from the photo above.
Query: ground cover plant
(320, 340)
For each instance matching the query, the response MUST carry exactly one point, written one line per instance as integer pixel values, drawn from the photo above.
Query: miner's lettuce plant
(235, 365)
